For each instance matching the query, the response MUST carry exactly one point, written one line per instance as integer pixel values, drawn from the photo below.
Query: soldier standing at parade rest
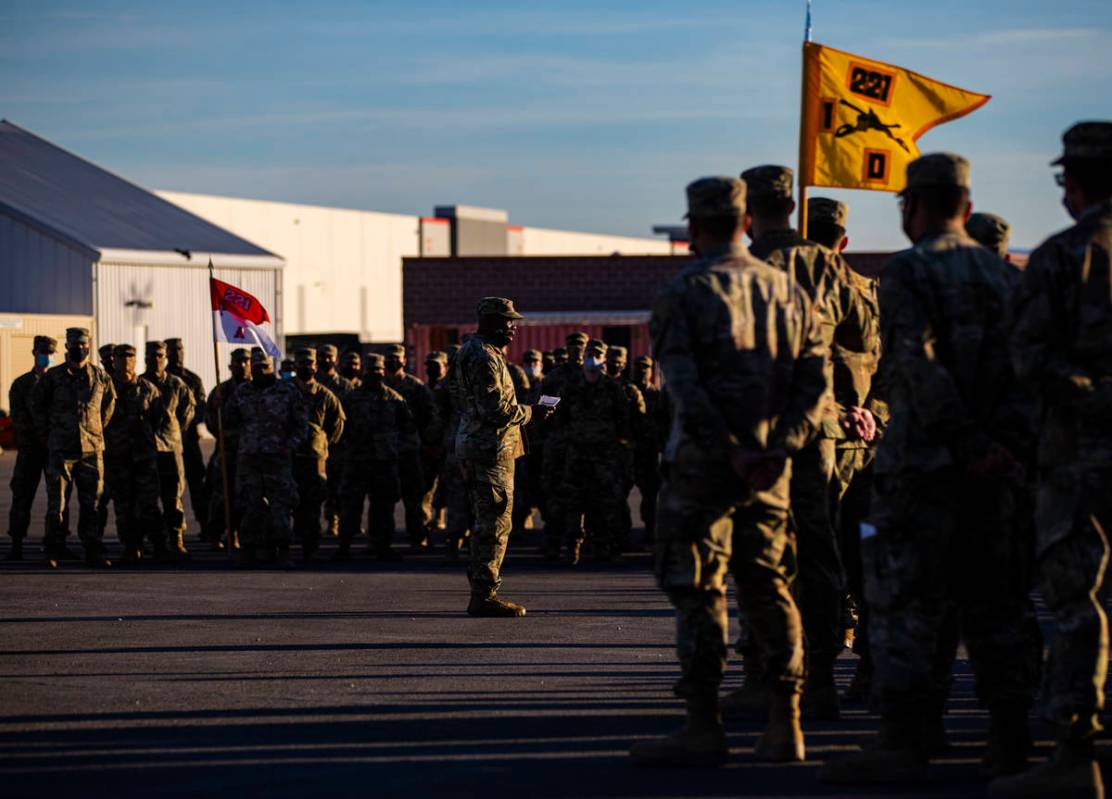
(178, 401)
(527, 480)
(239, 365)
(106, 353)
(743, 358)
(71, 404)
(192, 458)
(131, 457)
(31, 455)
(339, 381)
(941, 532)
(432, 451)
(646, 456)
(617, 361)
(270, 418)
(326, 425)
(457, 505)
(488, 442)
(1062, 346)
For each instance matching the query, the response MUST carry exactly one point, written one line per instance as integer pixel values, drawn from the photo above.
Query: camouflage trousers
(490, 486)
(64, 473)
(266, 495)
(851, 493)
(945, 563)
(216, 516)
(193, 462)
(432, 464)
(134, 487)
(377, 483)
(705, 529)
(553, 468)
(171, 481)
(334, 471)
(646, 476)
(30, 462)
(459, 517)
(1073, 577)
(413, 496)
(594, 487)
(821, 582)
(312, 489)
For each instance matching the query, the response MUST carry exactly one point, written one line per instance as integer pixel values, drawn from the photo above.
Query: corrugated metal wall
(140, 303)
(41, 275)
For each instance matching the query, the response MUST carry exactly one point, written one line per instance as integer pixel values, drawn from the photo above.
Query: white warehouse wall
(545, 241)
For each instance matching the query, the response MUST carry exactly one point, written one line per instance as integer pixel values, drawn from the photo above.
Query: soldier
(71, 404)
(192, 458)
(105, 353)
(339, 380)
(178, 401)
(131, 456)
(239, 366)
(31, 456)
(351, 367)
(990, 231)
(1062, 346)
(743, 357)
(286, 370)
(825, 276)
(548, 361)
(432, 452)
(270, 418)
(528, 490)
(942, 522)
(326, 426)
(419, 398)
(378, 418)
(457, 505)
(487, 444)
(593, 418)
(646, 455)
(560, 356)
(617, 362)
(533, 364)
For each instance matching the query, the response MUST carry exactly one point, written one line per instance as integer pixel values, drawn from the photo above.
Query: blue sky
(579, 115)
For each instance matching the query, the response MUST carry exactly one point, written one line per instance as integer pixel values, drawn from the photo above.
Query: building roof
(76, 201)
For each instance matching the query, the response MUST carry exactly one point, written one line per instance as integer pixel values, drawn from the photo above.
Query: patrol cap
(45, 341)
(576, 339)
(715, 196)
(173, 342)
(397, 350)
(533, 355)
(287, 365)
(618, 351)
(77, 334)
(240, 354)
(327, 349)
(771, 180)
(938, 169)
(123, 351)
(1086, 140)
(436, 355)
(988, 229)
(260, 357)
(156, 346)
(350, 355)
(103, 349)
(828, 211)
(644, 360)
(305, 352)
(597, 344)
(498, 306)
(374, 359)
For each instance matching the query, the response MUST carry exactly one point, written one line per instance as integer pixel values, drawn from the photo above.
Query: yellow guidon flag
(861, 118)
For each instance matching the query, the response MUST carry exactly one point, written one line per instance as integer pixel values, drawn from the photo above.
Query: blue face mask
(43, 361)
(285, 375)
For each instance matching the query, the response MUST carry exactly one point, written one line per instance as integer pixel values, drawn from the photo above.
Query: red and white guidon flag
(240, 318)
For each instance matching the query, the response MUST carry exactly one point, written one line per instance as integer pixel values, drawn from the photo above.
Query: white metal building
(79, 243)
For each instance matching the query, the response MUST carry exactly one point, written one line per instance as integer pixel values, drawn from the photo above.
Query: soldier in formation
(222, 478)
(332, 376)
(193, 460)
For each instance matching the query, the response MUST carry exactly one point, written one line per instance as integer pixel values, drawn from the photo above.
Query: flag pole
(802, 209)
(228, 532)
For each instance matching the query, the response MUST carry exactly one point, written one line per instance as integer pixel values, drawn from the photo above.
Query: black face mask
(349, 372)
(372, 380)
(499, 338)
(305, 373)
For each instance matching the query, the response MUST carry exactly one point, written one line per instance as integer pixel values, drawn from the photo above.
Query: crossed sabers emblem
(867, 120)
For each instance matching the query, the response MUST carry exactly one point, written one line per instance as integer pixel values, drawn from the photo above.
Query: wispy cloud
(1006, 38)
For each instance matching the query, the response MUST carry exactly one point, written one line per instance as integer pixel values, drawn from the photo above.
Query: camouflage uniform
(70, 408)
(488, 442)
(378, 419)
(990, 231)
(326, 426)
(178, 401)
(457, 504)
(193, 460)
(270, 418)
(432, 453)
(646, 456)
(221, 396)
(30, 460)
(339, 386)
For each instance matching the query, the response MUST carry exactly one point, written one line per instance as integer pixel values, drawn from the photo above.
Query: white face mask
(593, 363)
(533, 370)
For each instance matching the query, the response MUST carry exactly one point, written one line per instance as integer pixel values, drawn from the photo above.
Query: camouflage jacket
(325, 417)
(741, 351)
(595, 417)
(490, 416)
(336, 383)
(223, 394)
(270, 418)
(447, 412)
(520, 381)
(552, 385)
(178, 400)
(419, 398)
(1062, 340)
(132, 432)
(377, 421)
(71, 408)
(946, 371)
(197, 388)
(657, 418)
(854, 370)
(22, 410)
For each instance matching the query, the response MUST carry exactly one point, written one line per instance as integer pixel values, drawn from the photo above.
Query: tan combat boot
(896, 757)
(782, 741)
(490, 606)
(700, 742)
(177, 544)
(1072, 771)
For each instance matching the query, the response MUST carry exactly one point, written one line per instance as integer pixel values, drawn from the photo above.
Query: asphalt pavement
(369, 679)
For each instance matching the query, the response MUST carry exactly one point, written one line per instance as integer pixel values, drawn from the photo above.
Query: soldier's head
(936, 199)
(716, 216)
(594, 359)
(262, 367)
(394, 356)
(574, 343)
(559, 356)
(617, 358)
(43, 349)
(374, 370)
(286, 369)
(436, 364)
(240, 364)
(991, 232)
(498, 320)
(533, 364)
(123, 356)
(643, 371)
(826, 222)
(155, 354)
(175, 353)
(768, 197)
(305, 364)
(106, 353)
(1086, 161)
(548, 361)
(77, 345)
(326, 358)
(351, 364)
